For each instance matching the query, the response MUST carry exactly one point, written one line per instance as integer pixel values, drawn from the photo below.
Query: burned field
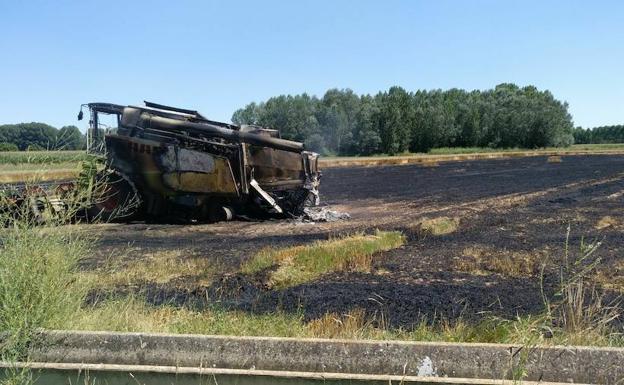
(476, 233)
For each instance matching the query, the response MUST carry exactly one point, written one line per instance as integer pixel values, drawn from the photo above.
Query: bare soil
(504, 207)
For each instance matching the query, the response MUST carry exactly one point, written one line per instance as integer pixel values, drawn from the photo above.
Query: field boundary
(437, 361)
(424, 159)
(433, 159)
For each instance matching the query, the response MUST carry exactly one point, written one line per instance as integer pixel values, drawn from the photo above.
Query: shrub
(4, 146)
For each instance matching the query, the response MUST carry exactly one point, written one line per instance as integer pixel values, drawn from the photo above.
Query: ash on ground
(322, 214)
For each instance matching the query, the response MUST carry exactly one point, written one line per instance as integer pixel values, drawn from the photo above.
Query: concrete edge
(80, 367)
(366, 357)
(333, 340)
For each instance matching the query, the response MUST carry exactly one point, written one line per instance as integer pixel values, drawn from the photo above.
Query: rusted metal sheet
(181, 159)
(220, 180)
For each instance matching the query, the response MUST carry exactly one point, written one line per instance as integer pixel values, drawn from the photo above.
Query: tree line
(40, 136)
(393, 121)
(396, 121)
(602, 134)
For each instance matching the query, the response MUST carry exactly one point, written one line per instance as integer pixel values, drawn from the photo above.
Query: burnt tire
(34, 207)
(37, 210)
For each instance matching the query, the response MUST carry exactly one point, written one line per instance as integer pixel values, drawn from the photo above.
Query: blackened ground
(519, 206)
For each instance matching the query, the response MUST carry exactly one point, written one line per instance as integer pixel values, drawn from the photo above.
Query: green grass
(299, 264)
(40, 285)
(132, 314)
(602, 146)
(38, 282)
(39, 288)
(159, 267)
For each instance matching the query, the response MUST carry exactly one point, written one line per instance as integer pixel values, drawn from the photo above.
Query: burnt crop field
(477, 235)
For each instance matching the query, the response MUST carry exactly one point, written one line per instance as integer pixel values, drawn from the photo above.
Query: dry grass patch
(332, 325)
(554, 159)
(160, 267)
(607, 221)
(437, 226)
(616, 195)
(430, 163)
(355, 324)
(299, 264)
(483, 260)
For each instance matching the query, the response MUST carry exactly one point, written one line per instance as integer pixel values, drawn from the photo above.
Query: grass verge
(39, 287)
(132, 314)
(159, 267)
(299, 264)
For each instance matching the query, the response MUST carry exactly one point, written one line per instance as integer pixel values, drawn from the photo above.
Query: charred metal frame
(270, 175)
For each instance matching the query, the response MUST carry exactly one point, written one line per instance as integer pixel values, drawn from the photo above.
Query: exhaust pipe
(133, 116)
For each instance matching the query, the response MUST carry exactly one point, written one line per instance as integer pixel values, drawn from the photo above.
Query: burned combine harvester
(166, 163)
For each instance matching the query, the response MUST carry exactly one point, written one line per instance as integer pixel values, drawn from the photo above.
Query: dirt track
(519, 206)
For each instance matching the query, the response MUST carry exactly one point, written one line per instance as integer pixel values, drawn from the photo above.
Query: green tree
(250, 114)
(366, 139)
(337, 116)
(4, 146)
(396, 120)
(603, 134)
(70, 138)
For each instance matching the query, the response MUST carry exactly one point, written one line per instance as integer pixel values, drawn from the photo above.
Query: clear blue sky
(218, 56)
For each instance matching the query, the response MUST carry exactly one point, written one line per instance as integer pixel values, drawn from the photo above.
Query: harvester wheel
(116, 199)
(37, 210)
